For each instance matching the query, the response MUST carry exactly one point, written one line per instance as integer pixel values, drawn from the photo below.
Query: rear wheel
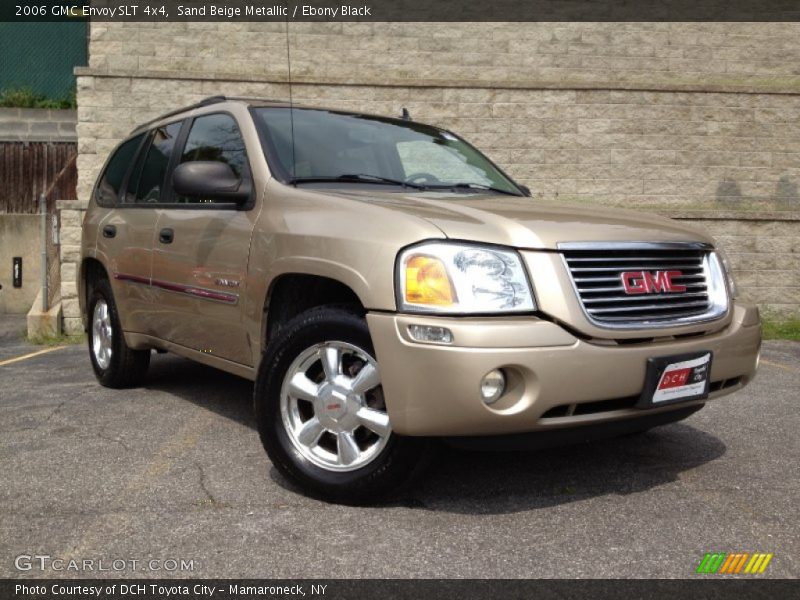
(115, 364)
(321, 412)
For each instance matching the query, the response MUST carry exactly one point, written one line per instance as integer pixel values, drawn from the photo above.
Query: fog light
(431, 335)
(493, 385)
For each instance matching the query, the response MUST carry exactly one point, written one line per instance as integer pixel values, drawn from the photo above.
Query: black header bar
(403, 10)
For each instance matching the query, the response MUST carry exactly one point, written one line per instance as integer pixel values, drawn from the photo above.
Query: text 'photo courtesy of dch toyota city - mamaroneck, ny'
(399, 299)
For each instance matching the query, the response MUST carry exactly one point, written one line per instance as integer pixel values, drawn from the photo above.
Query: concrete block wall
(674, 117)
(37, 125)
(624, 148)
(765, 254)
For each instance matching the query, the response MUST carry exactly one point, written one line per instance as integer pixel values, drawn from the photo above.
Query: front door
(201, 251)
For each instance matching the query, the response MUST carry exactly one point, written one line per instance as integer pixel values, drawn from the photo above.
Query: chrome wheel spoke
(331, 359)
(101, 334)
(375, 420)
(348, 449)
(322, 408)
(310, 432)
(366, 379)
(303, 388)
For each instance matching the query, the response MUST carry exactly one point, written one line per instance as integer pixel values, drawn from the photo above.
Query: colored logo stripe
(711, 562)
(758, 564)
(733, 563)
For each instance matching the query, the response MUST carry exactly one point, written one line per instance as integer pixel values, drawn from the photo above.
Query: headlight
(447, 277)
(726, 265)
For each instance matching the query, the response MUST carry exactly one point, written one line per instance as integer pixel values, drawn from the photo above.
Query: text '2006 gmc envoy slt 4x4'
(384, 283)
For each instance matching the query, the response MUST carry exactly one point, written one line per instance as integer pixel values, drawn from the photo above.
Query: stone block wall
(72, 213)
(673, 117)
(765, 255)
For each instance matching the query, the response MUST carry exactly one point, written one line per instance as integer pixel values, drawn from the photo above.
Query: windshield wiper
(360, 178)
(472, 186)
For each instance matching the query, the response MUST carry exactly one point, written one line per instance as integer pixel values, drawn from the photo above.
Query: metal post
(43, 219)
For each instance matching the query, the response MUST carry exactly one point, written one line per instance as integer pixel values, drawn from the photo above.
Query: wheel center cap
(336, 407)
(335, 404)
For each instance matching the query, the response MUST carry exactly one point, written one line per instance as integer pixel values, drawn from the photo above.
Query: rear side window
(214, 138)
(108, 187)
(147, 179)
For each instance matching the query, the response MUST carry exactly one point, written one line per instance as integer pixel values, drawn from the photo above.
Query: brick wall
(663, 116)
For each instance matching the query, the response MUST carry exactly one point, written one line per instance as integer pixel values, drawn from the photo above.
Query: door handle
(166, 235)
(109, 231)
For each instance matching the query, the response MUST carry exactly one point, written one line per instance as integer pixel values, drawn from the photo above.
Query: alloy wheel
(332, 406)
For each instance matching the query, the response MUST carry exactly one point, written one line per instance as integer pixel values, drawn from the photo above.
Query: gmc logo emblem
(647, 282)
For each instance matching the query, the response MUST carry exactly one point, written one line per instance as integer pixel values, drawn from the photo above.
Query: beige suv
(384, 283)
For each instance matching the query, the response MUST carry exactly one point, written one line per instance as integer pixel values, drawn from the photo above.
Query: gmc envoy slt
(384, 283)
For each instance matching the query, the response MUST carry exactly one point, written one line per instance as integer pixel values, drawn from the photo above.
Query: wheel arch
(90, 270)
(292, 293)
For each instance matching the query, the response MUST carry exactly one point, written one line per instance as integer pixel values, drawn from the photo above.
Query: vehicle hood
(527, 223)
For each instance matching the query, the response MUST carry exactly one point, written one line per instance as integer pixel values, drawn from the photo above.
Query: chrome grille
(597, 273)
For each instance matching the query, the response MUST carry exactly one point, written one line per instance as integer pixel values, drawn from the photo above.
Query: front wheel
(321, 413)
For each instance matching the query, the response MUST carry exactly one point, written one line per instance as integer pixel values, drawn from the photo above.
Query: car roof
(255, 102)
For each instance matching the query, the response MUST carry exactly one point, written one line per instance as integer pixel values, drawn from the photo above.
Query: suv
(384, 283)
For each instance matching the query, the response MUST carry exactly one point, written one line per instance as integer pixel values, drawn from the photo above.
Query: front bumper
(434, 389)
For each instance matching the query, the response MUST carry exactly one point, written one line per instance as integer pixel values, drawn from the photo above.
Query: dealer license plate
(676, 379)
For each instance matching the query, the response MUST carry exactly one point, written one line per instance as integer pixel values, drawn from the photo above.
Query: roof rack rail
(256, 99)
(204, 102)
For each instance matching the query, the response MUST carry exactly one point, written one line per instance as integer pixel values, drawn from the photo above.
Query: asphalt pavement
(174, 471)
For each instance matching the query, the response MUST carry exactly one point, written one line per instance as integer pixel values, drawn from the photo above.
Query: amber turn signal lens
(427, 281)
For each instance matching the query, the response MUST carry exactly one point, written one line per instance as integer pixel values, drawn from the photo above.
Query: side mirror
(525, 189)
(210, 180)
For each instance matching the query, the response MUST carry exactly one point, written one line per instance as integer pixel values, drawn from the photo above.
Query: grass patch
(27, 98)
(781, 329)
(57, 340)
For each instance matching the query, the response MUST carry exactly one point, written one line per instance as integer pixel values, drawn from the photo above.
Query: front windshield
(338, 146)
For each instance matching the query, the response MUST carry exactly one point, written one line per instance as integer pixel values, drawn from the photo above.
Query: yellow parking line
(770, 363)
(31, 355)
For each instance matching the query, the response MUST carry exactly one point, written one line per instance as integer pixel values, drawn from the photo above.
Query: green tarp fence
(41, 56)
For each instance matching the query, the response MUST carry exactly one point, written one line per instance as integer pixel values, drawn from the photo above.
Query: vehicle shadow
(217, 391)
(473, 482)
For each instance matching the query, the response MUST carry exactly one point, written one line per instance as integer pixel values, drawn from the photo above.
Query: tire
(115, 364)
(338, 458)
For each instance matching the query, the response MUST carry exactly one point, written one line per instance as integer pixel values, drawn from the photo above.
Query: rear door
(135, 220)
(125, 237)
(201, 251)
